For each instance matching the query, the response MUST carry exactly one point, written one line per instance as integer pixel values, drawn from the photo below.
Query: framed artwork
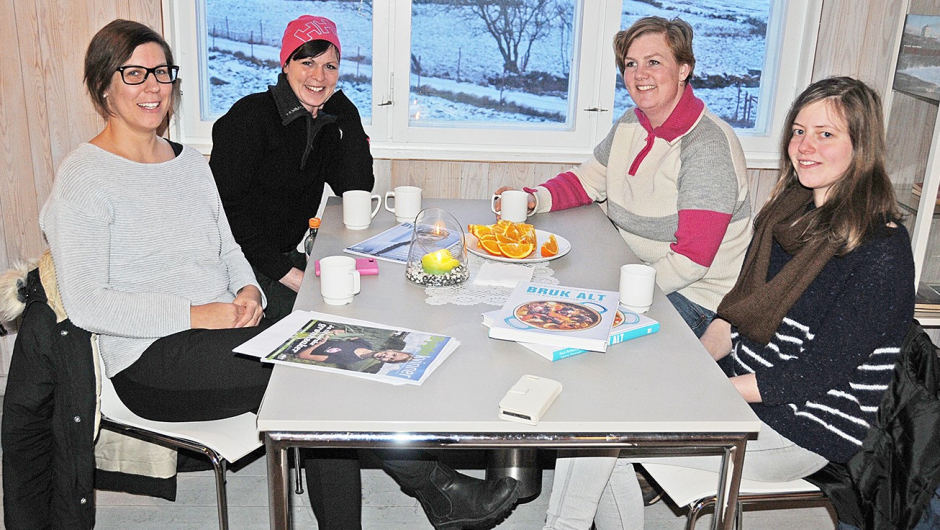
(918, 70)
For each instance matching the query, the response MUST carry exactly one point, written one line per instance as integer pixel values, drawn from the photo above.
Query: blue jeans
(697, 317)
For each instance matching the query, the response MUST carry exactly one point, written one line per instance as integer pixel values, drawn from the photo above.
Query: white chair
(695, 488)
(223, 441)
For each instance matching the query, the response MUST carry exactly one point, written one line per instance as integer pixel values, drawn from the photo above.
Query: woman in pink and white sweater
(673, 174)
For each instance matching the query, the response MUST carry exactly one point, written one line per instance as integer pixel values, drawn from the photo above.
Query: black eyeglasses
(135, 75)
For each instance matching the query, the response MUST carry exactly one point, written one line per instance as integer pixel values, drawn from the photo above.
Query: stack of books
(557, 322)
(927, 298)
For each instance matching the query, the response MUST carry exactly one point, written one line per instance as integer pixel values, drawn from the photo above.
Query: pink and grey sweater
(677, 193)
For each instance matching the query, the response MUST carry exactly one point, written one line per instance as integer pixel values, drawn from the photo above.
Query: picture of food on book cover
(553, 315)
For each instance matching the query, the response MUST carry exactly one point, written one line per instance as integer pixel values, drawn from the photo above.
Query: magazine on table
(329, 343)
(558, 316)
(393, 244)
(627, 325)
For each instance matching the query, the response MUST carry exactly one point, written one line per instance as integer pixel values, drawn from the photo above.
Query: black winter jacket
(890, 482)
(48, 423)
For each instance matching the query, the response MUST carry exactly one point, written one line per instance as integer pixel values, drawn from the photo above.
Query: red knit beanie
(305, 29)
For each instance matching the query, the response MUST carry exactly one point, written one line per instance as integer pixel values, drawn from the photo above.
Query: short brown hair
(109, 49)
(678, 35)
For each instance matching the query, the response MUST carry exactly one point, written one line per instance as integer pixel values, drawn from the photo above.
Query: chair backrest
(232, 438)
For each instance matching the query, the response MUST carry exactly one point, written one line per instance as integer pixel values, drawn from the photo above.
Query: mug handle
(493, 203)
(378, 204)
(389, 194)
(356, 282)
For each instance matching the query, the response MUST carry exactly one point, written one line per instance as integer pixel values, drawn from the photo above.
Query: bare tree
(514, 24)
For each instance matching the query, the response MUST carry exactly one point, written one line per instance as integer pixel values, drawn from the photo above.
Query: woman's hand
(530, 204)
(216, 315)
(717, 338)
(249, 302)
(292, 279)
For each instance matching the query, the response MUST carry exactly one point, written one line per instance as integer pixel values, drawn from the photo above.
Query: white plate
(541, 237)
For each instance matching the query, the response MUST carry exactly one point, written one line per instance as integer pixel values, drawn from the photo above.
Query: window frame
(393, 138)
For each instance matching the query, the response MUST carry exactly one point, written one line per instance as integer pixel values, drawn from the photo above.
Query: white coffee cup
(357, 209)
(513, 205)
(407, 203)
(637, 283)
(339, 279)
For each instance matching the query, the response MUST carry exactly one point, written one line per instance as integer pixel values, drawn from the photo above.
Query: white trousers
(601, 488)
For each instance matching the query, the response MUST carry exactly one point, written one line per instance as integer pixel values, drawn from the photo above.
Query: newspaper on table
(393, 244)
(328, 343)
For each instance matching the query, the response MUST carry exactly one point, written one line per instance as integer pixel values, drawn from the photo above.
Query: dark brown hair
(110, 48)
(678, 35)
(863, 198)
(313, 48)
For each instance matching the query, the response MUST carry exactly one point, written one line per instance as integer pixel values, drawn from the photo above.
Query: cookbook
(627, 325)
(328, 343)
(559, 316)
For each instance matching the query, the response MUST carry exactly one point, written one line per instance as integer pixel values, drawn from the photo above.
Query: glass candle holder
(438, 253)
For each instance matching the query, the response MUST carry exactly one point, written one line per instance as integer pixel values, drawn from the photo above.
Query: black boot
(452, 500)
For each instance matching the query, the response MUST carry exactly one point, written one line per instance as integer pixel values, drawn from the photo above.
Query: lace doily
(469, 294)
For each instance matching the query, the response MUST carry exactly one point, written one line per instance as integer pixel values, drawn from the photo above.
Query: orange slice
(550, 247)
(480, 230)
(491, 246)
(516, 250)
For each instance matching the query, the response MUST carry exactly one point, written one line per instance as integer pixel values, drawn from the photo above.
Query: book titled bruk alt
(559, 316)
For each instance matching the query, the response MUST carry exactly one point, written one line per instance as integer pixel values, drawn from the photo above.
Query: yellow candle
(439, 262)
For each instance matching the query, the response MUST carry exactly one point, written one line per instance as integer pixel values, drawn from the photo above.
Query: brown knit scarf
(757, 306)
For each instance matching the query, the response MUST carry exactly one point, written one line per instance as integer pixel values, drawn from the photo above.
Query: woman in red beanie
(271, 155)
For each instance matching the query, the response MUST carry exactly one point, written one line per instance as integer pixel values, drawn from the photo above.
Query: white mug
(637, 283)
(407, 203)
(513, 205)
(339, 279)
(357, 209)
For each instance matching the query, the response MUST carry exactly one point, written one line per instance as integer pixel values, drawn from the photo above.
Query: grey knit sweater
(135, 245)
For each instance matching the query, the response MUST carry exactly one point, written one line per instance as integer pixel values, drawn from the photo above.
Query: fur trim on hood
(13, 290)
(12, 301)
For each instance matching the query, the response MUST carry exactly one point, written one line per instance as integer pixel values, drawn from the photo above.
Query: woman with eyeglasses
(143, 252)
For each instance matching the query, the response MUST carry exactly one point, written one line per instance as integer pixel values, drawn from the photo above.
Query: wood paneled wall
(45, 113)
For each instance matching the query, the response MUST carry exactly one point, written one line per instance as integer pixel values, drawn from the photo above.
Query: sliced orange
(516, 250)
(526, 233)
(491, 246)
(550, 247)
(480, 230)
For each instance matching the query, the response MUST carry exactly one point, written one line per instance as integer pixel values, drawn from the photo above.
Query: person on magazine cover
(347, 352)
(673, 174)
(811, 331)
(145, 258)
(273, 151)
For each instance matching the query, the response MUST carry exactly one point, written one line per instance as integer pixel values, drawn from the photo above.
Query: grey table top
(662, 383)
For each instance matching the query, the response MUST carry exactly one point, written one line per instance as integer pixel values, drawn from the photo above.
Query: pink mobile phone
(365, 266)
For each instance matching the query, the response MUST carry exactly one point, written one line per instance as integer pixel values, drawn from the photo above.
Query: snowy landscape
(458, 72)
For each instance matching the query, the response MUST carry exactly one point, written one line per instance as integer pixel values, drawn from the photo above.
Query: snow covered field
(724, 45)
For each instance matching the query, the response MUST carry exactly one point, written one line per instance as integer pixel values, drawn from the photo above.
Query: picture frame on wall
(918, 69)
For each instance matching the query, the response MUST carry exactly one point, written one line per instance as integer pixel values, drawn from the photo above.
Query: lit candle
(439, 262)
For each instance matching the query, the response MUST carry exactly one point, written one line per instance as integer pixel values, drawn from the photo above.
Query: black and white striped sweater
(823, 375)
